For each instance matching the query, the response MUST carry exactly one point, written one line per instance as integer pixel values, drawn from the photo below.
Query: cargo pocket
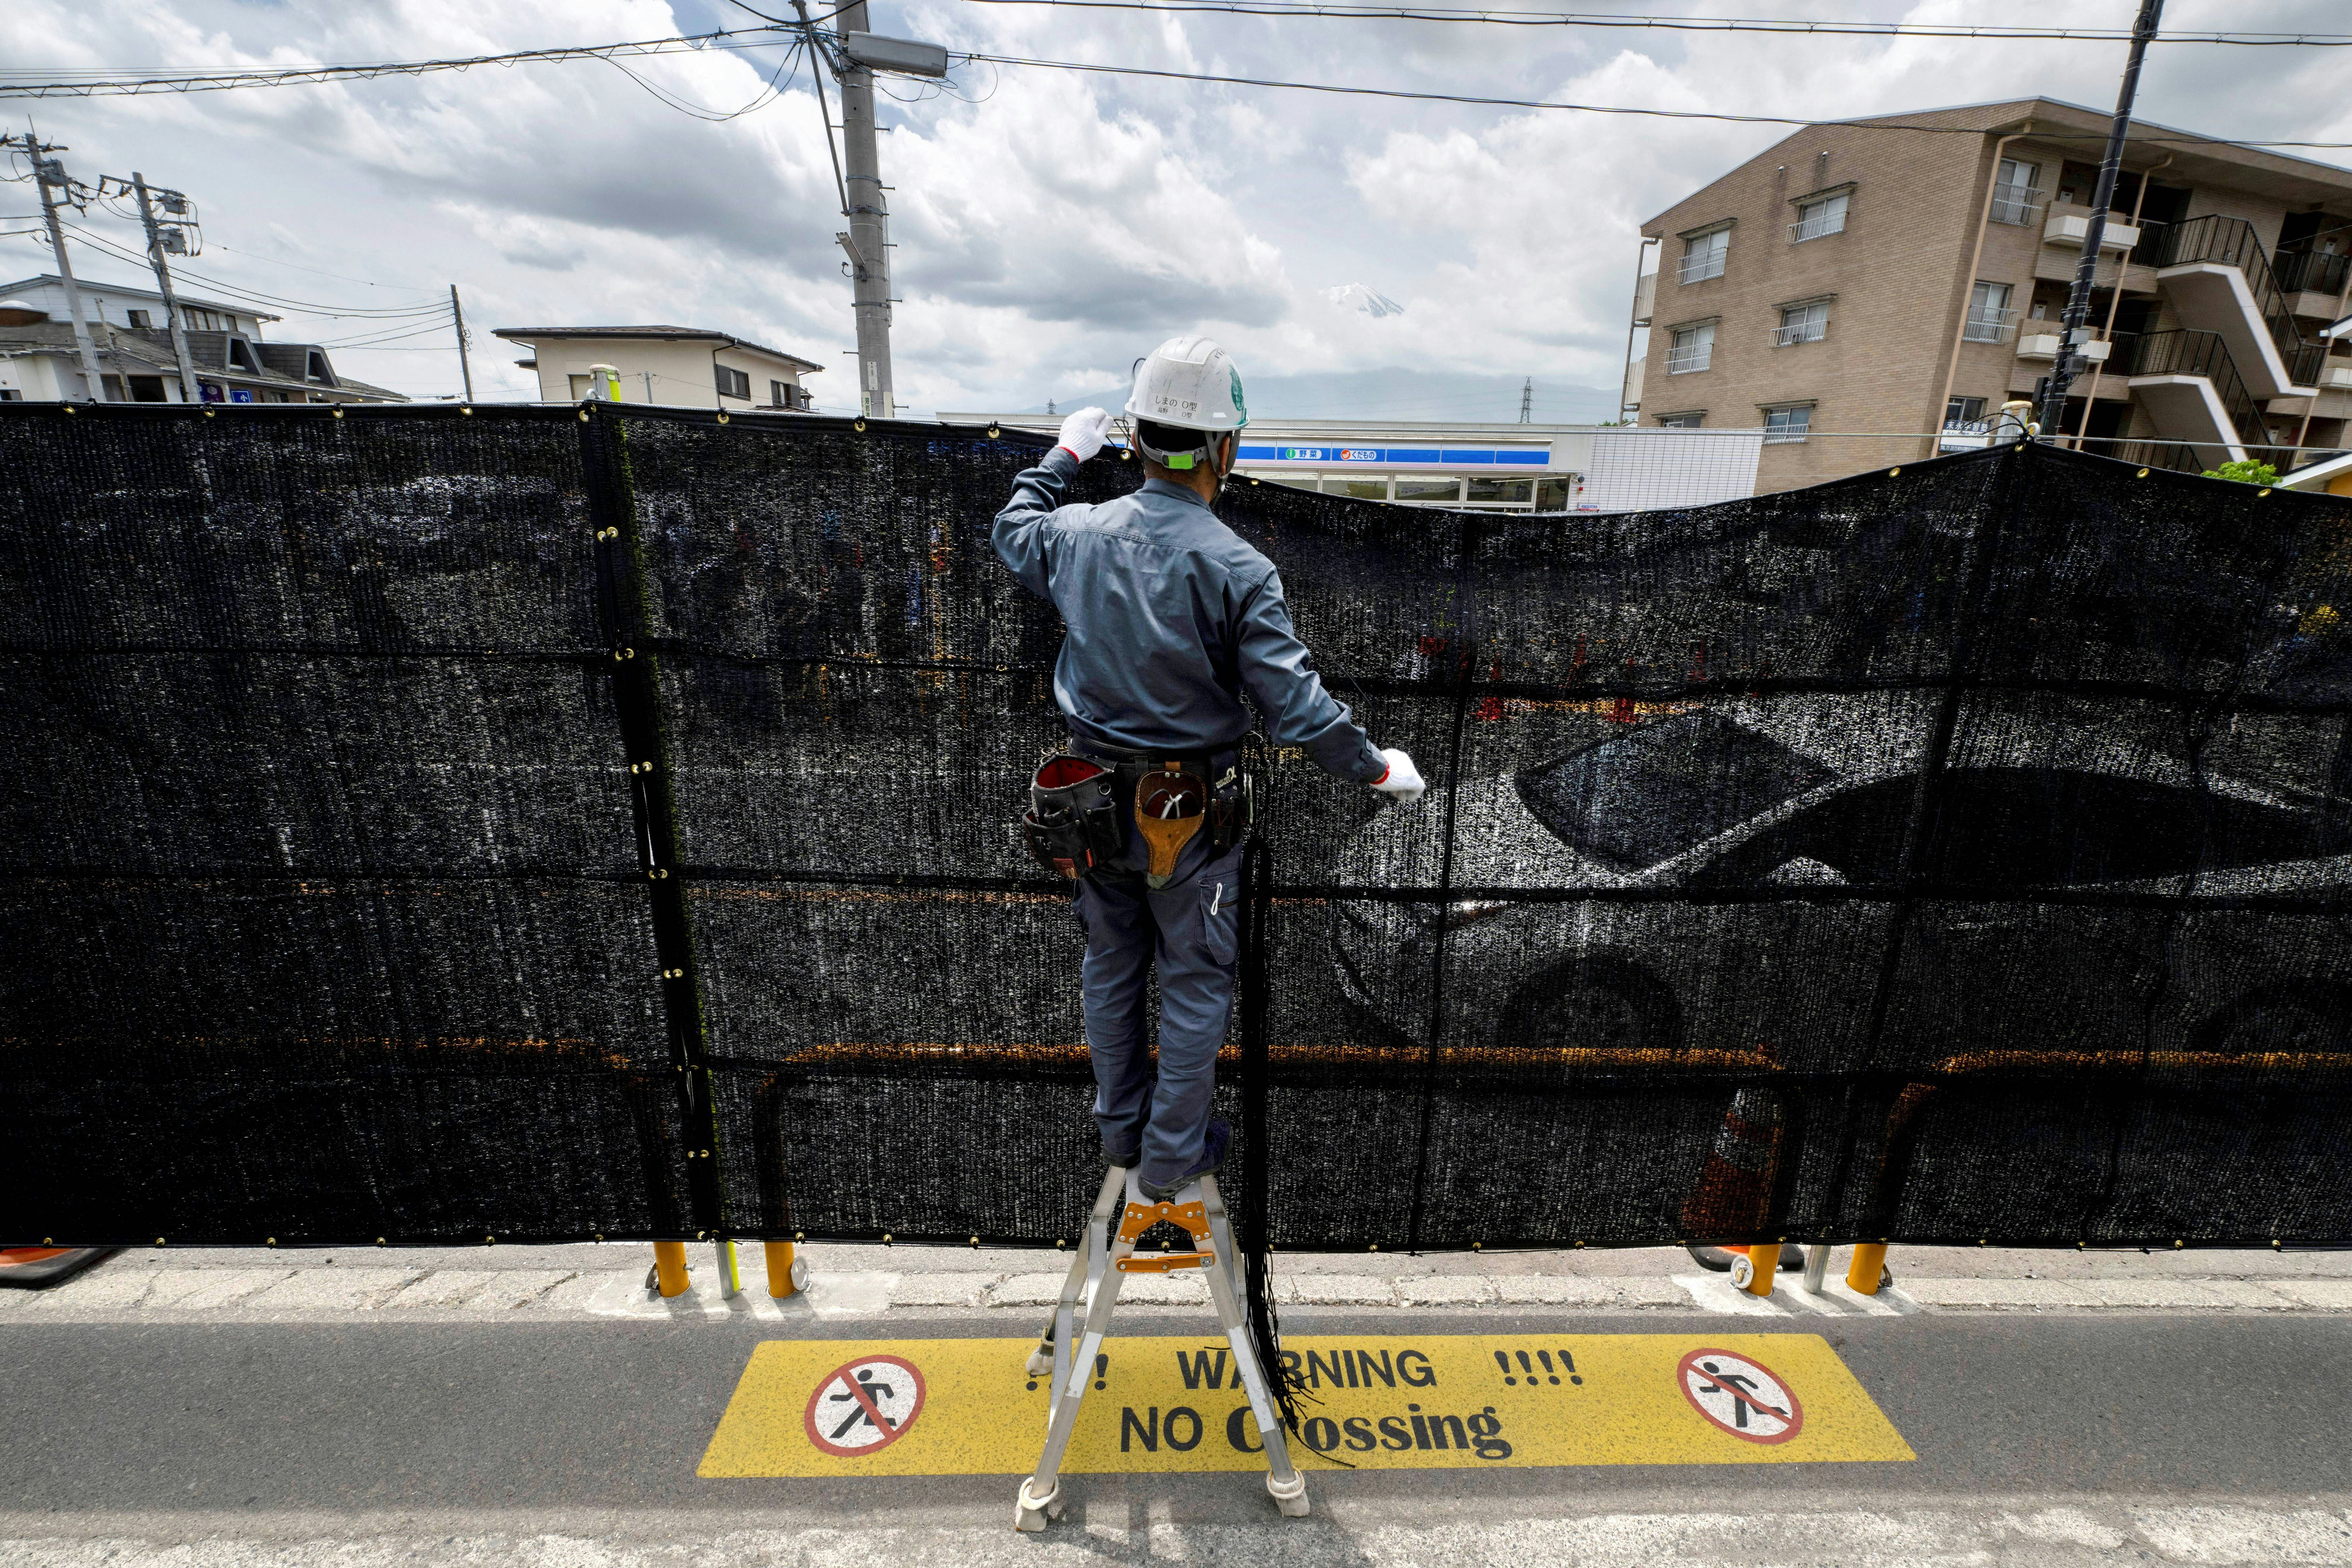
(1221, 918)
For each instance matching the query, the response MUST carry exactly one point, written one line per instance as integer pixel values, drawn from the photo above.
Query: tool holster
(1072, 825)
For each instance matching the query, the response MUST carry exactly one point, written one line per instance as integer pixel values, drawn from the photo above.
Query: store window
(1429, 489)
(1510, 491)
(1361, 489)
(1555, 491)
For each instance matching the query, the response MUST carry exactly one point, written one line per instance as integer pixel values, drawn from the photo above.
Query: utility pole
(1527, 401)
(855, 55)
(2078, 300)
(48, 173)
(465, 366)
(173, 201)
(868, 239)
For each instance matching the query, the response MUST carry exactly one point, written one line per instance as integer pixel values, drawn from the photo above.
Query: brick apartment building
(1908, 274)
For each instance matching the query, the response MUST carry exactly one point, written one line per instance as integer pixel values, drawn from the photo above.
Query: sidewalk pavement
(524, 1283)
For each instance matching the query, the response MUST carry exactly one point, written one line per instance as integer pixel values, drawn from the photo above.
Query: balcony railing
(1680, 361)
(1701, 264)
(1988, 326)
(2233, 242)
(1816, 226)
(1800, 332)
(2309, 269)
(2016, 203)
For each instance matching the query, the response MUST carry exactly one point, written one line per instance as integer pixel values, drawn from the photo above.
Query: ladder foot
(1040, 1360)
(1290, 1495)
(1031, 1513)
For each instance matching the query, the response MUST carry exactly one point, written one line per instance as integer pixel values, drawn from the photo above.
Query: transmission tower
(1527, 401)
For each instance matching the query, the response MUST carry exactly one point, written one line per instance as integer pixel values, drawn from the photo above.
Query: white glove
(1402, 780)
(1085, 432)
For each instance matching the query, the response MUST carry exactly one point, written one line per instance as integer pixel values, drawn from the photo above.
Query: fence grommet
(2264, 491)
(857, 424)
(1892, 472)
(722, 417)
(2141, 475)
(993, 432)
(338, 414)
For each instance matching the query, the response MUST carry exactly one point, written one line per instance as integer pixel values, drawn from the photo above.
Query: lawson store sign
(1404, 456)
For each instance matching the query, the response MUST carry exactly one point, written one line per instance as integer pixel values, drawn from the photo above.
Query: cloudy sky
(1050, 225)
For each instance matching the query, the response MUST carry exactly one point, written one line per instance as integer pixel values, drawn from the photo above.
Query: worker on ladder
(1170, 618)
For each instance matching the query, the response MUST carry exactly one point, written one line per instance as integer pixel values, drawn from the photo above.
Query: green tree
(2249, 472)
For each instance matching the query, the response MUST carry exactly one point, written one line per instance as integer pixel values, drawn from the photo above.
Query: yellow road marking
(1397, 1401)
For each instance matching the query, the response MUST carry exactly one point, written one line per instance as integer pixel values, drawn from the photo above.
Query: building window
(137, 319)
(732, 382)
(1691, 419)
(1429, 489)
(2017, 193)
(1989, 316)
(147, 389)
(1806, 323)
(783, 395)
(1815, 219)
(1702, 255)
(1784, 425)
(1692, 350)
(1963, 410)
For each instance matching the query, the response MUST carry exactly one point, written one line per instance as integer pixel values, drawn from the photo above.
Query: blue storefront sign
(1404, 456)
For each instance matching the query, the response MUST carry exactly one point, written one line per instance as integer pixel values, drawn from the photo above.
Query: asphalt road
(248, 1435)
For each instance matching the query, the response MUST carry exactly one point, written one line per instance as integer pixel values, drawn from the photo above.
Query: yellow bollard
(1763, 1258)
(780, 1270)
(669, 1264)
(1869, 1260)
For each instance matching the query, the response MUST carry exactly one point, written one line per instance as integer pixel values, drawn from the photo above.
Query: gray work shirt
(1169, 615)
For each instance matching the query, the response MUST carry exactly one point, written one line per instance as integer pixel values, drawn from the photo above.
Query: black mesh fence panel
(552, 822)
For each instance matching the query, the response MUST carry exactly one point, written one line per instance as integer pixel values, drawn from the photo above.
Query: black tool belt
(1080, 805)
(1073, 826)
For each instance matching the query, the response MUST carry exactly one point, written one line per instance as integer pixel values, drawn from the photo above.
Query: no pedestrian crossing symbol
(1409, 1401)
(865, 1407)
(1740, 1395)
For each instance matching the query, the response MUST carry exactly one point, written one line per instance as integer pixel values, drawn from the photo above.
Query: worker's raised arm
(1280, 675)
(1020, 534)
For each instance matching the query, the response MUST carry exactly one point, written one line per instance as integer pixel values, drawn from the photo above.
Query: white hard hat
(1190, 383)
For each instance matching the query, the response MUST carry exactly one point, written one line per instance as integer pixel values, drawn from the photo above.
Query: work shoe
(1718, 1259)
(1212, 1155)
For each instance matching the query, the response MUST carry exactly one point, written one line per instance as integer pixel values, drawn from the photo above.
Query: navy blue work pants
(1191, 929)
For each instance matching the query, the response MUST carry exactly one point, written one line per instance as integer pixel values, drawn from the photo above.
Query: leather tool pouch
(1072, 825)
(1171, 804)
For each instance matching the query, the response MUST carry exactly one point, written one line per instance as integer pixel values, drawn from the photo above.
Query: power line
(340, 277)
(240, 293)
(1875, 122)
(100, 83)
(1689, 24)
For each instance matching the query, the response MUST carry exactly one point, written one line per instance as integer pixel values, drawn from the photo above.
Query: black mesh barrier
(557, 822)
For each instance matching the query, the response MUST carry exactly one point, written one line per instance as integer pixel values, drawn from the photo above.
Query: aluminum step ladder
(1103, 1260)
